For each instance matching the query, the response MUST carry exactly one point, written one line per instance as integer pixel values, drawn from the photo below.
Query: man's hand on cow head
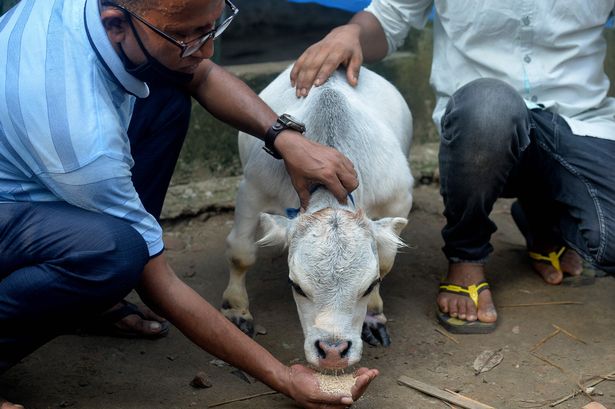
(309, 163)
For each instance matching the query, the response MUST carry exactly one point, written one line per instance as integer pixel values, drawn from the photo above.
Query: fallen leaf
(218, 362)
(487, 360)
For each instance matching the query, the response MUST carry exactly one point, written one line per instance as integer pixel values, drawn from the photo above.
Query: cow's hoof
(242, 321)
(247, 327)
(375, 331)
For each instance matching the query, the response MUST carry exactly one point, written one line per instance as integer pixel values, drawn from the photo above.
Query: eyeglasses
(192, 46)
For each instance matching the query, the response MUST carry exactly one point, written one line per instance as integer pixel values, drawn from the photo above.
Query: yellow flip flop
(586, 277)
(456, 325)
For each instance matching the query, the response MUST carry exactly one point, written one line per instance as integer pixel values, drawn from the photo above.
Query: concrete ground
(99, 372)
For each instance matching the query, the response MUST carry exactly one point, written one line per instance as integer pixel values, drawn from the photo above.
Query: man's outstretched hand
(304, 388)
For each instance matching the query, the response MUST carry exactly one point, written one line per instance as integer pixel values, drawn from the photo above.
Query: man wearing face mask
(94, 106)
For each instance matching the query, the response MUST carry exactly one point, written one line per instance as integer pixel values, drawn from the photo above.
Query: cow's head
(333, 267)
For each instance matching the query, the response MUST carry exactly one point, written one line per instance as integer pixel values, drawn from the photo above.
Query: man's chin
(191, 69)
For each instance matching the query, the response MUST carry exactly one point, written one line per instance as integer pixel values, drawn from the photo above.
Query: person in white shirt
(522, 110)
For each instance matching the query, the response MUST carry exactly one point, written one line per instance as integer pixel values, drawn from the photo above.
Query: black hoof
(247, 327)
(376, 335)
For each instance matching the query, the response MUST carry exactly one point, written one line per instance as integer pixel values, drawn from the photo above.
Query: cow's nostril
(345, 351)
(321, 352)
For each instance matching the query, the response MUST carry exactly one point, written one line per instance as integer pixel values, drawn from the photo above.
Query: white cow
(337, 254)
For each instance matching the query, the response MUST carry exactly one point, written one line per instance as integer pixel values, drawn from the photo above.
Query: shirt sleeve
(397, 16)
(105, 186)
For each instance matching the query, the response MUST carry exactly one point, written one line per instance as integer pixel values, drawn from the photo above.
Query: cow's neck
(321, 198)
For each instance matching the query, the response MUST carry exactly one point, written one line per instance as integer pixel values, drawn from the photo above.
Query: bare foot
(144, 323)
(570, 263)
(4, 404)
(462, 307)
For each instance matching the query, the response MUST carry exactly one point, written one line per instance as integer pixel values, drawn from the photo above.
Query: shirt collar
(107, 54)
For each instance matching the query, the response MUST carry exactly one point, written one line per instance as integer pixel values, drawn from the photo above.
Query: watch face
(292, 122)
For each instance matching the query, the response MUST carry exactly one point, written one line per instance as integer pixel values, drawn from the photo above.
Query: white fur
(335, 252)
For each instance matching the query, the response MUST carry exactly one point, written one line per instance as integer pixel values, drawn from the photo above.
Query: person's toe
(486, 309)
(151, 315)
(461, 309)
(139, 325)
(549, 274)
(453, 308)
(572, 263)
(471, 313)
(442, 302)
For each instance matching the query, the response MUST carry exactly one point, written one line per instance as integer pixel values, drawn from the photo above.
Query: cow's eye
(371, 287)
(296, 287)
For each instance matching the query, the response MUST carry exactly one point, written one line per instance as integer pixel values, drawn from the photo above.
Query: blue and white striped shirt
(65, 107)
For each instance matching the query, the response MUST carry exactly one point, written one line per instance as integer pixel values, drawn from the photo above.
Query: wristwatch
(284, 121)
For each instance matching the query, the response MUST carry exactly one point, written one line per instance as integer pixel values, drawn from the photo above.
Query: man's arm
(232, 101)
(361, 39)
(209, 329)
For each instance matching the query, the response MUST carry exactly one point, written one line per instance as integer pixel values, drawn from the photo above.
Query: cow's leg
(241, 255)
(375, 331)
(374, 327)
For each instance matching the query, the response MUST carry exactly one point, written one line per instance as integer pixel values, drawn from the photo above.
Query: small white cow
(337, 254)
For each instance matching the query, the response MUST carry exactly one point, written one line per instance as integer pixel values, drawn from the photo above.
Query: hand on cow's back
(340, 47)
(305, 389)
(309, 163)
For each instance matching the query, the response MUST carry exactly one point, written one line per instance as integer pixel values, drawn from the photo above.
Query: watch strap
(284, 121)
(269, 139)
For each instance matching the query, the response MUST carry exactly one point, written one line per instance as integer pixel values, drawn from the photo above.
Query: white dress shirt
(551, 51)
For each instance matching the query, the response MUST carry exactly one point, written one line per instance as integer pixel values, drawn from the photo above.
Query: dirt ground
(99, 372)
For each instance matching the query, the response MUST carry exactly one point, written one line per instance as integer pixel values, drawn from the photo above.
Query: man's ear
(115, 24)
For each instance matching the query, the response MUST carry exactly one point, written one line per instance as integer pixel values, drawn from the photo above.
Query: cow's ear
(275, 230)
(387, 231)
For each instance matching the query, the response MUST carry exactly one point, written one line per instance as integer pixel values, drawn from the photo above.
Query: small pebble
(260, 330)
(200, 381)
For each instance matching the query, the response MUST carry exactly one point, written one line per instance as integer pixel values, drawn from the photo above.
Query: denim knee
(127, 252)
(485, 119)
(117, 261)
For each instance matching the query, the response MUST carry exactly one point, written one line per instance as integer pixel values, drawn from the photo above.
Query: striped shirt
(65, 107)
(551, 51)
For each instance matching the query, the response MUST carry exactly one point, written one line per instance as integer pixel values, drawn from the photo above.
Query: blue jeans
(59, 264)
(492, 146)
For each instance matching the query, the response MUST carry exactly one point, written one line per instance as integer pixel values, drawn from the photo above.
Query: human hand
(304, 388)
(341, 46)
(309, 163)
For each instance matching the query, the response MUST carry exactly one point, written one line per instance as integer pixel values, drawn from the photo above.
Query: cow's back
(370, 124)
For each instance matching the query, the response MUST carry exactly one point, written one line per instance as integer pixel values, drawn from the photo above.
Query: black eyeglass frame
(192, 46)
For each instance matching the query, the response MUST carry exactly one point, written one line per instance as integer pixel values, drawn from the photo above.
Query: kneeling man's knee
(490, 107)
(122, 255)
